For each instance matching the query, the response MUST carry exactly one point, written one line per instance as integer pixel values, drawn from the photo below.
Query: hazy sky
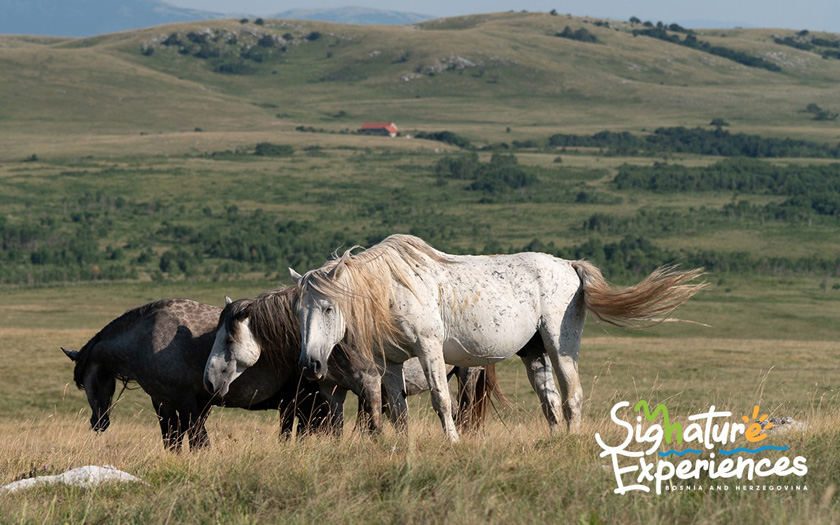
(793, 14)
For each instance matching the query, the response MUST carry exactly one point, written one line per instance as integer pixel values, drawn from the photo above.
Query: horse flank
(647, 303)
(360, 285)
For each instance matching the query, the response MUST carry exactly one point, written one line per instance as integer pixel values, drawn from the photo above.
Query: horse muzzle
(209, 386)
(313, 369)
(218, 375)
(212, 388)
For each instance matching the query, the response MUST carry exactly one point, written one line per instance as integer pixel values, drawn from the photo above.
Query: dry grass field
(512, 471)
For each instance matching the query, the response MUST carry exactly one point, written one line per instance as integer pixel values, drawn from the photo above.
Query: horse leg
(393, 383)
(197, 431)
(431, 359)
(369, 418)
(190, 423)
(471, 398)
(168, 419)
(287, 399)
(538, 369)
(563, 344)
(335, 407)
(305, 405)
(327, 409)
(570, 388)
(286, 409)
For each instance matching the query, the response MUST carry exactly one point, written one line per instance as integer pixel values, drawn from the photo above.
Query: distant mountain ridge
(354, 15)
(82, 18)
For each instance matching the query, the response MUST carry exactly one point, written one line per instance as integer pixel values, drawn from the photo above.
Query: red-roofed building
(380, 128)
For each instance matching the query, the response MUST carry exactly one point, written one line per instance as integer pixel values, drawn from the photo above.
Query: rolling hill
(477, 75)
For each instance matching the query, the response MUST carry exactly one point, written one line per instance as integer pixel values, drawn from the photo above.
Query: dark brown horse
(163, 346)
(265, 327)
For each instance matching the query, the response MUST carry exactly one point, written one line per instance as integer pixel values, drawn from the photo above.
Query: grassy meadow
(129, 173)
(511, 471)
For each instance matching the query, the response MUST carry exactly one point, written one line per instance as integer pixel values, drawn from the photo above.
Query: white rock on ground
(88, 476)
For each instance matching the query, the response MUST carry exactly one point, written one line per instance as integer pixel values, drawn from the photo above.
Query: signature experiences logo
(638, 462)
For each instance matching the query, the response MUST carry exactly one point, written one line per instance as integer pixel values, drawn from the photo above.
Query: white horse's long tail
(649, 302)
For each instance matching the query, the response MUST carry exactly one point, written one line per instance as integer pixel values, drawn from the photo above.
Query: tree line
(827, 48)
(701, 141)
(634, 256)
(813, 187)
(67, 246)
(660, 31)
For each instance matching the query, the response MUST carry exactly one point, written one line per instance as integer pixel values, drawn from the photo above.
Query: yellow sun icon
(755, 432)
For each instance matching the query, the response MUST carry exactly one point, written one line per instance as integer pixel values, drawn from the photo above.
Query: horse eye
(328, 310)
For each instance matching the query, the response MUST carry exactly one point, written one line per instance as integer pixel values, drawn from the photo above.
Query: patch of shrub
(581, 35)
(501, 174)
(267, 149)
(346, 74)
(256, 54)
(794, 42)
(447, 137)
(820, 113)
(824, 42)
(235, 68)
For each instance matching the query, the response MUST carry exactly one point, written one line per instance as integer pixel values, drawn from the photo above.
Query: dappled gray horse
(402, 299)
(163, 346)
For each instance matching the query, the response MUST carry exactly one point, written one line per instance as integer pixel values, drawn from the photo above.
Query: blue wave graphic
(678, 453)
(751, 450)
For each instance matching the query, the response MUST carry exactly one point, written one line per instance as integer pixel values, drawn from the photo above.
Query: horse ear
(227, 300)
(296, 277)
(336, 270)
(72, 354)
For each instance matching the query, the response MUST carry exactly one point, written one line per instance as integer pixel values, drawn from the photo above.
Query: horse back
(158, 344)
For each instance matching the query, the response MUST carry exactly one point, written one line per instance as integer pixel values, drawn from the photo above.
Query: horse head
(322, 327)
(99, 384)
(234, 350)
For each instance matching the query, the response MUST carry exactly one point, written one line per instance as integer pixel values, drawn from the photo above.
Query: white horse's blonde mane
(362, 287)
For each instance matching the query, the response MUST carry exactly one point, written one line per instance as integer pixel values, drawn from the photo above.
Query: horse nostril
(312, 369)
(316, 368)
